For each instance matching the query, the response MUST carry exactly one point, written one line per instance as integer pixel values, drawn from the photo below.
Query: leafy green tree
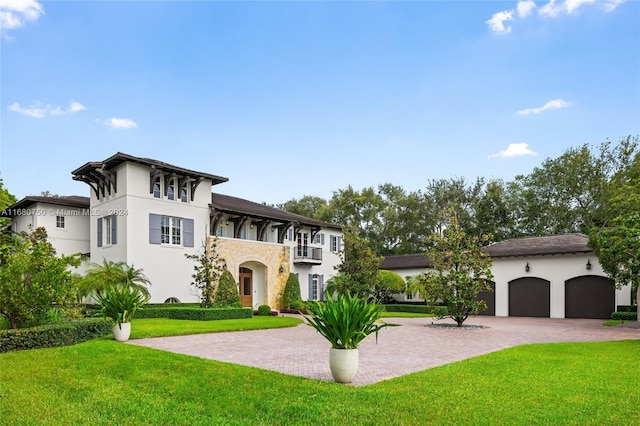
(310, 206)
(569, 193)
(492, 215)
(109, 274)
(6, 199)
(453, 195)
(389, 283)
(33, 278)
(460, 271)
(291, 297)
(617, 242)
(207, 271)
(358, 271)
(227, 291)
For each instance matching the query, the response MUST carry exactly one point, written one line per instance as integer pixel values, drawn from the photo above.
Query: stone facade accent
(269, 262)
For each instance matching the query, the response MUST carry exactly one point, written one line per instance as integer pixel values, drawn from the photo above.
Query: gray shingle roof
(536, 246)
(234, 205)
(66, 201)
(526, 246)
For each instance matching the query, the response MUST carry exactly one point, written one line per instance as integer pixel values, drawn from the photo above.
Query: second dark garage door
(529, 297)
(589, 297)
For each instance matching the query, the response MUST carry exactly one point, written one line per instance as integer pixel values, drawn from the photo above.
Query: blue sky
(288, 99)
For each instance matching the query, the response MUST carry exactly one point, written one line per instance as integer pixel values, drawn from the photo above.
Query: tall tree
(492, 215)
(358, 272)
(309, 206)
(617, 242)
(569, 193)
(6, 199)
(461, 270)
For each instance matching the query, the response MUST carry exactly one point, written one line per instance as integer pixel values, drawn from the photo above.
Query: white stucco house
(555, 276)
(149, 214)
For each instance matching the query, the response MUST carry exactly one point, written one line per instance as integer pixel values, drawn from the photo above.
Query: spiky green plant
(120, 303)
(346, 320)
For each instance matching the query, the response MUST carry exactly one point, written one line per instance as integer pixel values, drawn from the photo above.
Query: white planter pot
(343, 364)
(122, 331)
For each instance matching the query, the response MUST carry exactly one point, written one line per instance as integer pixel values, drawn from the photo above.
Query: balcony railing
(306, 254)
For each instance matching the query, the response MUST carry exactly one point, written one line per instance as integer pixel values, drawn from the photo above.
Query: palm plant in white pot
(345, 322)
(120, 304)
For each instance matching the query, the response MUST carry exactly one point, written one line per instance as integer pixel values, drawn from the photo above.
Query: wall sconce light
(588, 264)
(251, 226)
(527, 268)
(282, 268)
(227, 222)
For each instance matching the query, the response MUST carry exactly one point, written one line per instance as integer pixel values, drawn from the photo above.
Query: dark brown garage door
(589, 297)
(490, 298)
(529, 297)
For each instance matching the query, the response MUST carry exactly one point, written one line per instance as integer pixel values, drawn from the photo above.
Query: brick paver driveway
(414, 346)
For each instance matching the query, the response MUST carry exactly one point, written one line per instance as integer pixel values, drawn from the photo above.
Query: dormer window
(156, 188)
(183, 193)
(171, 190)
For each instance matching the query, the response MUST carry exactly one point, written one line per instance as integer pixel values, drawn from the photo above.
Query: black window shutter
(114, 229)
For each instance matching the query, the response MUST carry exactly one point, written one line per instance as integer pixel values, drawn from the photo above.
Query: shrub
(417, 309)
(625, 316)
(60, 334)
(264, 310)
(208, 314)
(291, 296)
(227, 294)
(627, 308)
(121, 303)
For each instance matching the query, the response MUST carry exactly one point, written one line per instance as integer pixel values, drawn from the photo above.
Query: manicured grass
(404, 315)
(613, 322)
(157, 327)
(105, 382)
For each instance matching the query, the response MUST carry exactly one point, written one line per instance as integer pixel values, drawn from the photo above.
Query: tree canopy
(566, 194)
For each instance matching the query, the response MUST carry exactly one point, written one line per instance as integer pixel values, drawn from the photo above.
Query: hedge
(627, 308)
(209, 314)
(416, 309)
(625, 316)
(195, 313)
(52, 335)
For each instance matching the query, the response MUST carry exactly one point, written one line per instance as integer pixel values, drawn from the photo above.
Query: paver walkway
(414, 346)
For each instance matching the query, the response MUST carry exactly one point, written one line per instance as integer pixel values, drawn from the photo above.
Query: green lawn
(157, 327)
(106, 382)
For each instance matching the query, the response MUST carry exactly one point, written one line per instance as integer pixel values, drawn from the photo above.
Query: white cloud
(573, 5)
(552, 104)
(16, 13)
(38, 110)
(612, 4)
(122, 123)
(514, 150)
(525, 7)
(496, 23)
(552, 9)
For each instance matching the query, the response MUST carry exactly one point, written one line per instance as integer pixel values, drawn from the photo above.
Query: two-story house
(149, 214)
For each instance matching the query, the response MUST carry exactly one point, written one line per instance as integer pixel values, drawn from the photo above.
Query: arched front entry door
(246, 287)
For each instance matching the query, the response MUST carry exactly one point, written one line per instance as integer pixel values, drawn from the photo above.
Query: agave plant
(120, 303)
(346, 320)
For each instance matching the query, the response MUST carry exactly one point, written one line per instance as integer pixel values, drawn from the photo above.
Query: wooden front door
(246, 287)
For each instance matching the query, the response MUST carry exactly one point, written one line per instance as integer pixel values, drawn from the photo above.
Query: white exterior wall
(555, 269)
(327, 269)
(165, 265)
(72, 239)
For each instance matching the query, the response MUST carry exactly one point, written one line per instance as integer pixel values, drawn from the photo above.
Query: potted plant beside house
(345, 322)
(120, 304)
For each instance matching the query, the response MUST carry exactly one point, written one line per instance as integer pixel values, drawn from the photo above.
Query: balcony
(305, 255)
